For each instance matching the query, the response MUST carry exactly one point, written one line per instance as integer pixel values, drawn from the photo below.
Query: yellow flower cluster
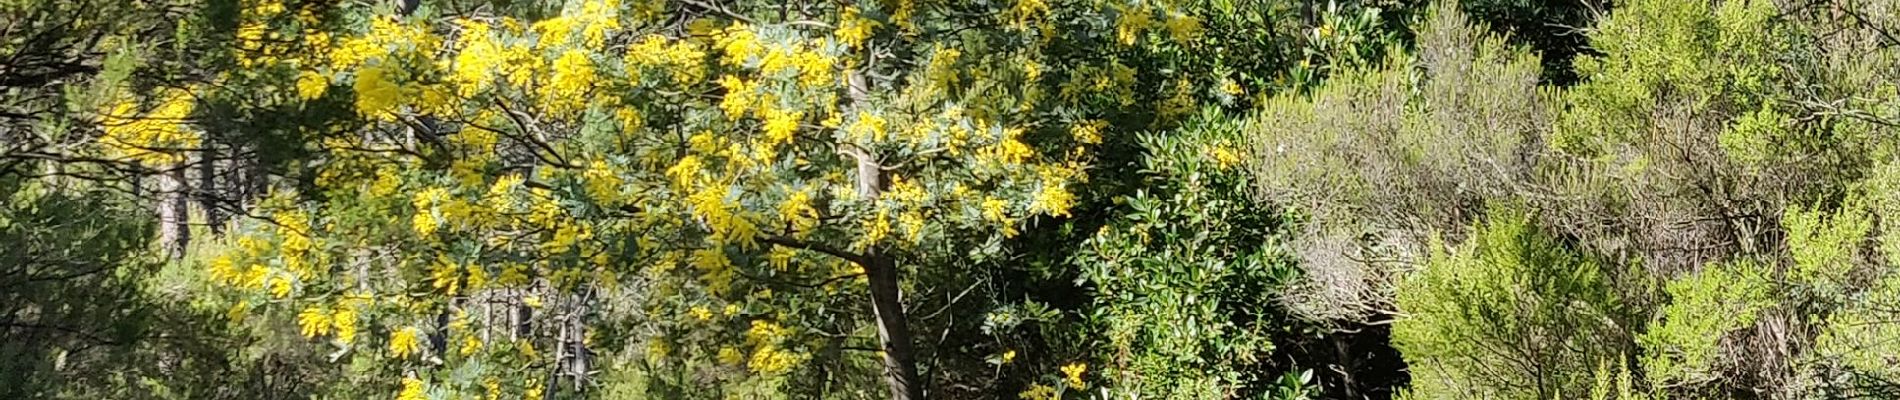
(812, 66)
(598, 17)
(868, 126)
(853, 28)
(739, 97)
(311, 85)
(412, 389)
(995, 209)
(1224, 156)
(157, 136)
(771, 360)
(377, 93)
(470, 345)
(257, 43)
(314, 321)
(1054, 197)
(681, 60)
(875, 230)
(574, 77)
(602, 183)
(725, 220)
(1088, 132)
(798, 212)
(738, 43)
(405, 342)
(343, 320)
(1072, 374)
(1011, 150)
(446, 276)
(425, 222)
(943, 67)
(716, 270)
(767, 356)
(780, 126)
(385, 35)
(1038, 391)
(480, 57)
(685, 173)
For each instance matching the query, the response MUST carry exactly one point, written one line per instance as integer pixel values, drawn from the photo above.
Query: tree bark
(173, 236)
(208, 190)
(893, 331)
(887, 303)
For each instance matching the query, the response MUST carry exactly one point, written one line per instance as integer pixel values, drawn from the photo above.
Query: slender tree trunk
(887, 304)
(208, 191)
(173, 208)
(582, 358)
(893, 331)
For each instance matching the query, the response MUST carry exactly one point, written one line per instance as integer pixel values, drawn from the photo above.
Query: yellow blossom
(412, 389)
(344, 322)
(730, 356)
(311, 85)
(1011, 151)
(1089, 132)
(476, 64)
(158, 136)
(280, 287)
(404, 342)
(853, 29)
(376, 94)
(573, 78)
(739, 44)
(1054, 199)
(995, 210)
(314, 321)
(1038, 392)
(533, 392)
(470, 345)
(1072, 374)
(771, 360)
(868, 127)
(780, 126)
(1224, 156)
(1134, 20)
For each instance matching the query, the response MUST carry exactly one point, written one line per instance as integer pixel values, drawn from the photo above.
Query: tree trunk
(893, 331)
(887, 304)
(173, 236)
(208, 191)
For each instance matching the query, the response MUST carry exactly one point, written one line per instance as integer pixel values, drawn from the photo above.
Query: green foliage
(1184, 280)
(81, 315)
(1682, 348)
(1033, 199)
(1825, 246)
(1684, 57)
(1511, 313)
(1613, 382)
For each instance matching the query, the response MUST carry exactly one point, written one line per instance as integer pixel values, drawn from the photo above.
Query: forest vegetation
(946, 199)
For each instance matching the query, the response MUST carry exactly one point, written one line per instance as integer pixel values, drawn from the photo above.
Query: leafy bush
(1512, 313)
(1184, 281)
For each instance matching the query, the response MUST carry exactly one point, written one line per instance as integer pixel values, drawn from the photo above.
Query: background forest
(910, 199)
